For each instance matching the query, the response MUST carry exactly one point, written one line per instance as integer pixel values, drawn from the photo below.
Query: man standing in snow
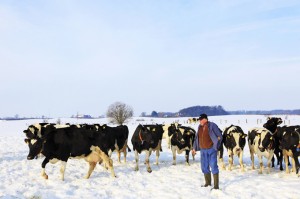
(208, 140)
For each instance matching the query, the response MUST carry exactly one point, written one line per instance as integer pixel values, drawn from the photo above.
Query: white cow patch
(33, 141)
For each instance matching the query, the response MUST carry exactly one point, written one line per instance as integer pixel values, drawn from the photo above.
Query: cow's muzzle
(262, 149)
(30, 157)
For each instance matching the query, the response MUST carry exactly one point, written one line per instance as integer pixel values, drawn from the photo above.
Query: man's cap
(203, 116)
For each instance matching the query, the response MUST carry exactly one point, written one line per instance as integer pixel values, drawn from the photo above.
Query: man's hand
(193, 152)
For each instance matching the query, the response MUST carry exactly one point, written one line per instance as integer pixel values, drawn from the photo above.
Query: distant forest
(195, 111)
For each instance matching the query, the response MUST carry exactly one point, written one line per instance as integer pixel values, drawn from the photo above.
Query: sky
(59, 58)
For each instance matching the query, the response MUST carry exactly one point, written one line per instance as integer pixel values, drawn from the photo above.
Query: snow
(20, 178)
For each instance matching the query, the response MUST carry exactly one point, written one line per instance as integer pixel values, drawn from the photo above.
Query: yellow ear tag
(271, 138)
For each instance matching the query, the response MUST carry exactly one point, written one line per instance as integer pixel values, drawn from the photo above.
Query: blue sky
(61, 57)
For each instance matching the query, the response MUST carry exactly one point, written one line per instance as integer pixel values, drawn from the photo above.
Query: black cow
(234, 139)
(118, 139)
(192, 120)
(157, 128)
(182, 140)
(261, 142)
(62, 143)
(144, 139)
(272, 124)
(289, 138)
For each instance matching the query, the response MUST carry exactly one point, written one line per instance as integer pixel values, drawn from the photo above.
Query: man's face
(203, 121)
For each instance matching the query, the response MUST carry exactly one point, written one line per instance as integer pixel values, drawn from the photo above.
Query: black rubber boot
(216, 181)
(207, 178)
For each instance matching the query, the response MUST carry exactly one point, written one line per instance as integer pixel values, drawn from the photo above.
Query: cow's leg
(62, 169)
(174, 154)
(107, 161)
(252, 158)
(91, 169)
(230, 159)
(44, 175)
(261, 165)
(125, 154)
(109, 155)
(293, 164)
(273, 160)
(119, 156)
(136, 160)
(241, 161)
(150, 152)
(269, 164)
(221, 160)
(147, 161)
(157, 156)
(286, 161)
(280, 157)
(169, 142)
(187, 157)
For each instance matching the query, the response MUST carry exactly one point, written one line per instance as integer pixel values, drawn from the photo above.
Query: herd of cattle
(95, 143)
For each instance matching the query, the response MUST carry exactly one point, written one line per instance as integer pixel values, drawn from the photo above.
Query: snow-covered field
(20, 178)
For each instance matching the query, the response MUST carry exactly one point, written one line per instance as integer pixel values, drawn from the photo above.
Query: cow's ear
(26, 141)
(244, 135)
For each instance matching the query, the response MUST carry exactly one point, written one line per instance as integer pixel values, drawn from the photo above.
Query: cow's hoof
(136, 169)
(260, 172)
(174, 163)
(149, 170)
(187, 164)
(45, 176)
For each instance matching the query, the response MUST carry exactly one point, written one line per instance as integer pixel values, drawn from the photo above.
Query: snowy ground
(20, 178)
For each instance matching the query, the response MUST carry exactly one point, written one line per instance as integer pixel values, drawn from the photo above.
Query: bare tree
(119, 113)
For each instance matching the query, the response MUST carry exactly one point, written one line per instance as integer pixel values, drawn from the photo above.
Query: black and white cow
(261, 142)
(289, 138)
(234, 139)
(272, 124)
(166, 132)
(192, 120)
(60, 144)
(159, 129)
(144, 139)
(182, 140)
(118, 139)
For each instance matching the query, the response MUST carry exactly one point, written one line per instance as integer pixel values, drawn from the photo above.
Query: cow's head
(172, 129)
(31, 131)
(145, 134)
(235, 138)
(187, 137)
(265, 139)
(272, 123)
(35, 147)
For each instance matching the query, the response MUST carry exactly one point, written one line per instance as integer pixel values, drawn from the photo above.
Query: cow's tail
(129, 150)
